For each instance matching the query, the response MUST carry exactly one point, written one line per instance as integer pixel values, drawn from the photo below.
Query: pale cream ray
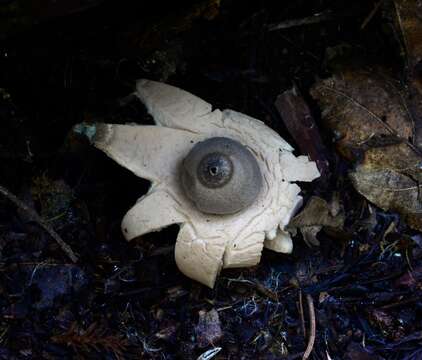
(153, 212)
(151, 152)
(199, 259)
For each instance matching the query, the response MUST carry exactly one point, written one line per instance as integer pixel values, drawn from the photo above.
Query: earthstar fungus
(221, 176)
(224, 177)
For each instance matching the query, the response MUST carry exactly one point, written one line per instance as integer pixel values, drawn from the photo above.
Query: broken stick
(37, 218)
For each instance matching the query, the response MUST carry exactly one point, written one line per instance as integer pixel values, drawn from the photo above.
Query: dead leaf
(316, 215)
(391, 178)
(409, 25)
(309, 234)
(362, 108)
(369, 115)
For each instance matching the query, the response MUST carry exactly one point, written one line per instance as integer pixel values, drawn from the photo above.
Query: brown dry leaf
(391, 178)
(316, 215)
(368, 114)
(362, 107)
(409, 24)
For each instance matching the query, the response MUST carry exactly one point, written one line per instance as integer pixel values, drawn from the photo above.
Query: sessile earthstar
(226, 178)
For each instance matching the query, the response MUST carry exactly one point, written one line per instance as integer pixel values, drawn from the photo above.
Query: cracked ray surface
(206, 243)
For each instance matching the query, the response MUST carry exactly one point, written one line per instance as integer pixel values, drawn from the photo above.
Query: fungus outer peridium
(205, 244)
(221, 176)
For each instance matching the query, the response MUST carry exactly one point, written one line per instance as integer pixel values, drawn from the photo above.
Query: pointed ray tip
(87, 130)
(95, 133)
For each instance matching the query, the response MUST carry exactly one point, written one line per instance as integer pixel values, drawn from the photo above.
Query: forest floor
(71, 286)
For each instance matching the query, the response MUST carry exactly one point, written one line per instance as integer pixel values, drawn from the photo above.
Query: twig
(325, 16)
(302, 317)
(400, 303)
(371, 14)
(300, 123)
(37, 218)
(209, 354)
(260, 288)
(265, 291)
(312, 327)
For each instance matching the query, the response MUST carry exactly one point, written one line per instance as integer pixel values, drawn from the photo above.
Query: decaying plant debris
(340, 80)
(369, 117)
